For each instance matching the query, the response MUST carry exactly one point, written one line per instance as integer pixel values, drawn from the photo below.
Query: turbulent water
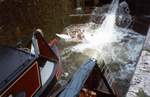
(105, 33)
(118, 47)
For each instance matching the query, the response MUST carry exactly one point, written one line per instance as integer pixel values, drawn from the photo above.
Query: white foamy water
(107, 41)
(118, 47)
(96, 39)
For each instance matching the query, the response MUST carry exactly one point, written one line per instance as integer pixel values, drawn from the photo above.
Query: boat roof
(12, 61)
(74, 86)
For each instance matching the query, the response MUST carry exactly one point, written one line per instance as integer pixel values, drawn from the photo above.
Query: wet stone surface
(141, 78)
(147, 42)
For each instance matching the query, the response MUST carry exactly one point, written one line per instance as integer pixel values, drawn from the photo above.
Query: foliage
(141, 93)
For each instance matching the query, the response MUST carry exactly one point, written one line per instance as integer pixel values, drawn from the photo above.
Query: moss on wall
(141, 93)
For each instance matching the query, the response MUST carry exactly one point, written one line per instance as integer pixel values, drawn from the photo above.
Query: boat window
(34, 47)
(46, 71)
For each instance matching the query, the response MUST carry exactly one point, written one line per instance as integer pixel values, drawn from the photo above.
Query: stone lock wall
(140, 83)
(19, 18)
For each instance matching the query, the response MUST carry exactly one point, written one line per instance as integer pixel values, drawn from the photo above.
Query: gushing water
(96, 39)
(108, 42)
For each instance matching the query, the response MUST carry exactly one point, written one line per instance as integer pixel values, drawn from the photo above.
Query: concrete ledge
(141, 77)
(147, 41)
